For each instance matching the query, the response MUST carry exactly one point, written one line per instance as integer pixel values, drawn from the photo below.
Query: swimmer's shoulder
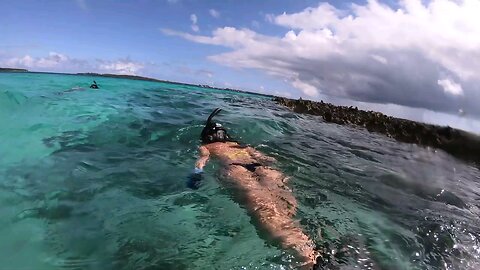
(222, 146)
(237, 145)
(214, 146)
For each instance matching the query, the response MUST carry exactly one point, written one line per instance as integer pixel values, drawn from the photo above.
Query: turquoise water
(96, 180)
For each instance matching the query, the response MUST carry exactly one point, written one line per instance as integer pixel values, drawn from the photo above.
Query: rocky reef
(456, 142)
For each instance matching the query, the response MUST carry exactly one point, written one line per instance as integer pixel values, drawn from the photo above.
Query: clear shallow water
(96, 180)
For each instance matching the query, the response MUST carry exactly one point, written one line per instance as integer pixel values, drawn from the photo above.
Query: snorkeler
(259, 187)
(94, 85)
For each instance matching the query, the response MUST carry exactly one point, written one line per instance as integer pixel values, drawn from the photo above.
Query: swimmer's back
(230, 152)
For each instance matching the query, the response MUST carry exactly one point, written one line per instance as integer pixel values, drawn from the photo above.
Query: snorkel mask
(213, 132)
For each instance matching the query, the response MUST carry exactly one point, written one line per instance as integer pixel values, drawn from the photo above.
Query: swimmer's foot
(322, 264)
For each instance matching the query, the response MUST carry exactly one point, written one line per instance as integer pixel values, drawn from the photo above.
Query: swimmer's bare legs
(266, 197)
(274, 207)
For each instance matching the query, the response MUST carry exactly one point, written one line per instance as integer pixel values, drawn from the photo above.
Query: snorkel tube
(214, 132)
(209, 125)
(215, 112)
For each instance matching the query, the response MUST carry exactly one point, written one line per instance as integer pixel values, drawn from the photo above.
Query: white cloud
(194, 20)
(227, 36)
(451, 87)
(283, 94)
(52, 60)
(25, 61)
(380, 59)
(63, 63)
(204, 72)
(121, 66)
(309, 19)
(214, 13)
(270, 18)
(306, 88)
(370, 52)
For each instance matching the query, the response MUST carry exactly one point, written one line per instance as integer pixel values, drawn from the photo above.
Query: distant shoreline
(129, 77)
(14, 70)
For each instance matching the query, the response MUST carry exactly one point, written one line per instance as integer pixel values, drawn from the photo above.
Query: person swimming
(94, 85)
(259, 187)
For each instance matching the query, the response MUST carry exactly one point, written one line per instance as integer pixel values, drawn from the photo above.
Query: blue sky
(382, 55)
(112, 30)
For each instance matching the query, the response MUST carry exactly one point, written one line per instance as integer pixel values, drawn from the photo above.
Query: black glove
(195, 179)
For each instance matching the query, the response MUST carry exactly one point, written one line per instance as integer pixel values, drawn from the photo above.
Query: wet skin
(263, 191)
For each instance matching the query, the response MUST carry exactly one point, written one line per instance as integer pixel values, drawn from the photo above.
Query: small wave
(12, 100)
(422, 190)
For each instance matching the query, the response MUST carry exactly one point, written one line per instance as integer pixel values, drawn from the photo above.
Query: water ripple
(96, 180)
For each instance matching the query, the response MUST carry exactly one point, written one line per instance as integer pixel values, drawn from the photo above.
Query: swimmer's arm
(195, 179)
(204, 156)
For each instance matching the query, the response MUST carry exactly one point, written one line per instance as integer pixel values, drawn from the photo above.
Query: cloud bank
(424, 55)
(63, 63)
(121, 66)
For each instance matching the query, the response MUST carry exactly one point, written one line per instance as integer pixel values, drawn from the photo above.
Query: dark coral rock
(458, 143)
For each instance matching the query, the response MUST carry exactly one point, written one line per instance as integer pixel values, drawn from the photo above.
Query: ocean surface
(96, 179)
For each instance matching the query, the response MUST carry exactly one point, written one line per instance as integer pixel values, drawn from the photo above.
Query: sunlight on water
(96, 180)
